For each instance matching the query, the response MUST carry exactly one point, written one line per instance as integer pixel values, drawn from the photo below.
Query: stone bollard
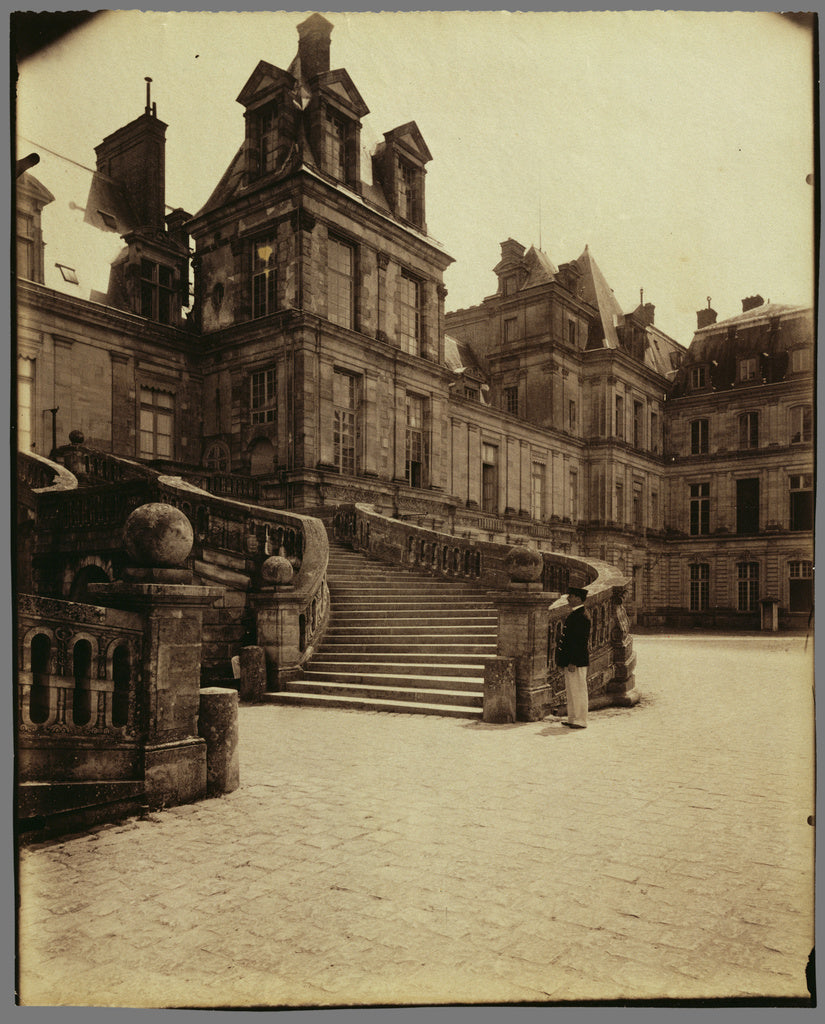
(218, 727)
(253, 673)
(499, 691)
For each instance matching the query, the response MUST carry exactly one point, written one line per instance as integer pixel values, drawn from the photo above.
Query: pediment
(263, 81)
(408, 137)
(339, 86)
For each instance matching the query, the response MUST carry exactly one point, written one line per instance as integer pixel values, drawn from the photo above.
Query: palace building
(289, 343)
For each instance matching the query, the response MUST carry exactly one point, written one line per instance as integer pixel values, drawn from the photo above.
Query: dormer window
(510, 284)
(747, 369)
(335, 138)
(800, 360)
(266, 137)
(698, 377)
(156, 291)
(409, 192)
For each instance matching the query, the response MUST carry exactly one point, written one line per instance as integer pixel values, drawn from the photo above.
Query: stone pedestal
(218, 727)
(168, 693)
(277, 618)
(523, 616)
(253, 674)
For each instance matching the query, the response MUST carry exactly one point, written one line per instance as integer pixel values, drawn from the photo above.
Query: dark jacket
(572, 649)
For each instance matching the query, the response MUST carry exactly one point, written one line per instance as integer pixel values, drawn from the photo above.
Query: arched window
(121, 676)
(82, 668)
(79, 588)
(39, 699)
(216, 457)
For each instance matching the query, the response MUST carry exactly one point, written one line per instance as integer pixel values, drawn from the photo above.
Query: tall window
(25, 403)
(749, 430)
(511, 328)
(409, 313)
(619, 417)
(802, 502)
(511, 400)
(698, 437)
(747, 369)
(747, 505)
(346, 399)
(489, 478)
(156, 291)
(699, 587)
(266, 132)
(638, 506)
(748, 590)
(335, 145)
(654, 433)
(264, 277)
(571, 416)
(571, 333)
(263, 396)
(417, 453)
(638, 424)
(801, 423)
(409, 192)
(574, 495)
(699, 509)
(654, 510)
(800, 586)
(620, 503)
(537, 476)
(156, 422)
(26, 247)
(341, 282)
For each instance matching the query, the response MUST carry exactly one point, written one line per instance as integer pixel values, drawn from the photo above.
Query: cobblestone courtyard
(381, 858)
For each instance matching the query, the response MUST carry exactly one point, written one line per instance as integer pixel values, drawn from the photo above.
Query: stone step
(372, 704)
(387, 627)
(408, 694)
(372, 647)
(430, 681)
(331, 661)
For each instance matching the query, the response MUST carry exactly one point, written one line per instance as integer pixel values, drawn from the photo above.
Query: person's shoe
(573, 725)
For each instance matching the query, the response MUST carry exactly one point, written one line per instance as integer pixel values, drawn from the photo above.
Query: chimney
(512, 250)
(313, 46)
(751, 302)
(135, 158)
(705, 317)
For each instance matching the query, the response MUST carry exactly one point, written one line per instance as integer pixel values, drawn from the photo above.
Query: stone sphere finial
(77, 437)
(524, 565)
(277, 571)
(158, 536)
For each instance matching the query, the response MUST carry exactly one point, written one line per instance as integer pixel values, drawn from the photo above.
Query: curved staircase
(398, 641)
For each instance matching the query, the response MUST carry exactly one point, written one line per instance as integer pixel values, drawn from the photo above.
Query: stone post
(158, 537)
(218, 726)
(253, 674)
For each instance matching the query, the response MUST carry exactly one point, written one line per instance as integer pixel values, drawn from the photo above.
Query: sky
(677, 145)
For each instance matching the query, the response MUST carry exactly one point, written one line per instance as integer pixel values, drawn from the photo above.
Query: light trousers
(575, 683)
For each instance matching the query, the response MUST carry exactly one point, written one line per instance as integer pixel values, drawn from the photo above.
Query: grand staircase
(398, 641)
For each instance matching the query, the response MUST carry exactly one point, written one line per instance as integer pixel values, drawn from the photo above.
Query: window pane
(341, 265)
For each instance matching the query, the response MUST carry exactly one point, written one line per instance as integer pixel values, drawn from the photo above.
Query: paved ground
(381, 858)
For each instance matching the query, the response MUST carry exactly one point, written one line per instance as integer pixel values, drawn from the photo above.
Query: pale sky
(675, 145)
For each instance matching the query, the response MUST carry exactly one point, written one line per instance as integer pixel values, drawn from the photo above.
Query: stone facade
(315, 364)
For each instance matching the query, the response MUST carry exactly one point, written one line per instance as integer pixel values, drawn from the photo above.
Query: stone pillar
(499, 691)
(218, 727)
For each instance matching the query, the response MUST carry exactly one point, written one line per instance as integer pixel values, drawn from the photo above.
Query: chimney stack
(751, 302)
(705, 317)
(512, 250)
(313, 46)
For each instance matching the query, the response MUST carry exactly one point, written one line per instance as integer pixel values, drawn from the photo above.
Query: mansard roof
(540, 268)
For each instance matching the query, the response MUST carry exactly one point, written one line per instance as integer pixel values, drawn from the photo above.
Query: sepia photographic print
(413, 538)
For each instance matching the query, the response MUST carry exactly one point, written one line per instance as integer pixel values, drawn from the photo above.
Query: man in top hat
(574, 658)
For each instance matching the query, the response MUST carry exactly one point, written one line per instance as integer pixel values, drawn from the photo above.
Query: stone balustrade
(531, 612)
